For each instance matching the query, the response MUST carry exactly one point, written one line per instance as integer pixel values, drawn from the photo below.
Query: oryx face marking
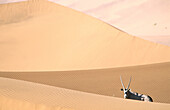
(125, 93)
(128, 94)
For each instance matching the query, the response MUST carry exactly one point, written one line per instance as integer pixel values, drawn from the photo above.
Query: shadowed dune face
(151, 80)
(41, 35)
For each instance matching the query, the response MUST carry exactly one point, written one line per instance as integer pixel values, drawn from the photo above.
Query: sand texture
(153, 80)
(40, 35)
(31, 96)
(56, 58)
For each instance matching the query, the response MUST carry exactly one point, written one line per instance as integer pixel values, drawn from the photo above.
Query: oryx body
(128, 94)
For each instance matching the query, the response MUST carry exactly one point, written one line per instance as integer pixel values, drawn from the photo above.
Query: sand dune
(41, 35)
(152, 80)
(159, 39)
(53, 40)
(21, 95)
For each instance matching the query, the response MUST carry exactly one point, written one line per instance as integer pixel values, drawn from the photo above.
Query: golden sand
(151, 80)
(22, 95)
(42, 36)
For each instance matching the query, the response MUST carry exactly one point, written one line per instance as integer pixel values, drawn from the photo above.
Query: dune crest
(41, 35)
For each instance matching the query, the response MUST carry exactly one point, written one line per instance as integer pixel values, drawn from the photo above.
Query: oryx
(128, 94)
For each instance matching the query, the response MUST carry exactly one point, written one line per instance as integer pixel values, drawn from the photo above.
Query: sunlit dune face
(47, 36)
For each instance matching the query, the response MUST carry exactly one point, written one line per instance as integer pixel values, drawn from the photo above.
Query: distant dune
(41, 35)
(52, 46)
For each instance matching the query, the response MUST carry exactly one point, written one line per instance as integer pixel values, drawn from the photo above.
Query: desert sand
(71, 61)
(41, 35)
(152, 80)
(22, 95)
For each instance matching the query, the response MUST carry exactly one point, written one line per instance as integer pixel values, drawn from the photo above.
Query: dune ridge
(39, 35)
(26, 95)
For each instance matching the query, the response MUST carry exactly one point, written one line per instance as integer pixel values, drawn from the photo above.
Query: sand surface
(52, 46)
(21, 95)
(153, 80)
(41, 35)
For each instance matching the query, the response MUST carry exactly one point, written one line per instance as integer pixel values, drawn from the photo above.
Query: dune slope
(151, 80)
(22, 95)
(41, 35)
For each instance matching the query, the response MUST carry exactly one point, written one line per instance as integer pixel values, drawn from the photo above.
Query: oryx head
(125, 90)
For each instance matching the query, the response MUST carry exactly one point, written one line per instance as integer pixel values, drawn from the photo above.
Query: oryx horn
(129, 83)
(122, 83)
